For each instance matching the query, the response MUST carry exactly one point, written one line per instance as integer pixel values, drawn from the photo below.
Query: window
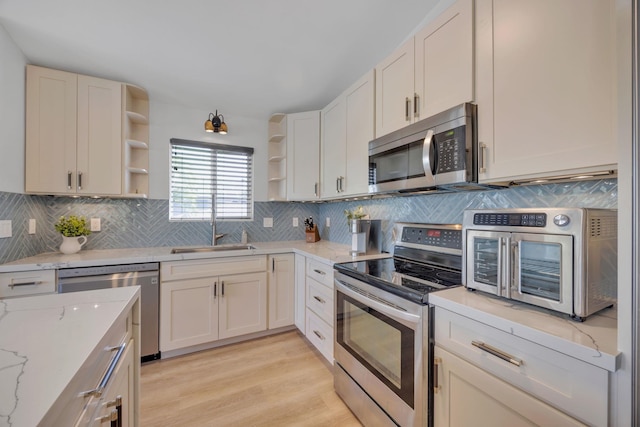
(201, 170)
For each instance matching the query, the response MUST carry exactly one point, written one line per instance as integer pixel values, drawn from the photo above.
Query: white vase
(71, 245)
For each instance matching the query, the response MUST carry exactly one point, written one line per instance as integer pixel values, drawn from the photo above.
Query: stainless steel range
(382, 351)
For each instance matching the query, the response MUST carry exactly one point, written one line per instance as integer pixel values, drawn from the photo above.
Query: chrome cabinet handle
(498, 353)
(337, 184)
(97, 392)
(416, 98)
(483, 153)
(315, 189)
(341, 181)
(319, 271)
(320, 300)
(215, 290)
(319, 335)
(407, 103)
(273, 265)
(31, 283)
(117, 402)
(436, 383)
(223, 288)
(69, 173)
(79, 180)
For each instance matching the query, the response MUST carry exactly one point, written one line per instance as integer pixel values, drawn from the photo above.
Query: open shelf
(277, 154)
(136, 142)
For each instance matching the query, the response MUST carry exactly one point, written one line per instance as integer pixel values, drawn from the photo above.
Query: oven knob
(561, 220)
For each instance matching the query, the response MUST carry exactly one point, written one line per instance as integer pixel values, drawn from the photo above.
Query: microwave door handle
(428, 163)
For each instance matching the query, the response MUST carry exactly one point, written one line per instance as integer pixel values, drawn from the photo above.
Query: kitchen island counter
(45, 342)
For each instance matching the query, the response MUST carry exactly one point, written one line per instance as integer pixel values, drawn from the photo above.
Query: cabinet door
(545, 97)
(394, 90)
(243, 304)
(465, 395)
(281, 290)
(359, 106)
(188, 312)
(334, 140)
(444, 61)
(300, 296)
(120, 394)
(303, 154)
(99, 161)
(50, 131)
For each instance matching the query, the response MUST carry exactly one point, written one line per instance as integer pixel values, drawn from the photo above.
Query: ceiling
(248, 58)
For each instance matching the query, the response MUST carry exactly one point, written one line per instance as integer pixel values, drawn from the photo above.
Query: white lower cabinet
(118, 399)
(281, 290)
(319, 307)
(486, 376)
(300, 292)
(198, 310)
(467, 395)
(25, 283)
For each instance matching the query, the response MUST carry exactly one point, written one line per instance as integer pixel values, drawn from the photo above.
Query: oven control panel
(442, 238)
(511, 219)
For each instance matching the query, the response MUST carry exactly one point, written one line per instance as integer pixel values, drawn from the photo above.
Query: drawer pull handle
(31, 283)
(320, 300)
(322, 273)
(97, 392)
(498, 353)
(319, 335)
(436, 383)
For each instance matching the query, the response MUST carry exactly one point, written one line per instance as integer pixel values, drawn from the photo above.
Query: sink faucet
(214, 236)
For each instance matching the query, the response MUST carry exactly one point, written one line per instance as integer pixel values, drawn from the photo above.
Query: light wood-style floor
(274, 381)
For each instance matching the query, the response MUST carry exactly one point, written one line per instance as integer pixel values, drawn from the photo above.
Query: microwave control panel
(451, 149)
(511, 219)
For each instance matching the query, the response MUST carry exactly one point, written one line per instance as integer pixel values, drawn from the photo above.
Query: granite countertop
(593, 341)
(323, 251)
(44, 340)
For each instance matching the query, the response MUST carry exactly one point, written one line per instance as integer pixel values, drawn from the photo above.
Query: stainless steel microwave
(562, 259)
(439, 152)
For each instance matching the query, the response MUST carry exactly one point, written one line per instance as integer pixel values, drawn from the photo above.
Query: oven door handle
(379, 304)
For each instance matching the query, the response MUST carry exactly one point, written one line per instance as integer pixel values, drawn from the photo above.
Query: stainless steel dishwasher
(145, 275)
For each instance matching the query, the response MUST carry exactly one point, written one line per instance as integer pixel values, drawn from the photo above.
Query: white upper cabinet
(444, 61)
(545, 88)
(74, 136)
(431, 72)
(347, 128)
(303, 149)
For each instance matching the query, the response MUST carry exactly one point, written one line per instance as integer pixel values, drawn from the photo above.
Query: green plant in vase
(74, 229)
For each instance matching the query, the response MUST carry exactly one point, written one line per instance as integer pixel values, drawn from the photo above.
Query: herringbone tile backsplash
(145, 223)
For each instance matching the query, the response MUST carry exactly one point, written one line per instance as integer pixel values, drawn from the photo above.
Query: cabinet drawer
(571, 385)
(23, 283)
(320, 334)
(320, 300)
(193, 269)
(323, 273)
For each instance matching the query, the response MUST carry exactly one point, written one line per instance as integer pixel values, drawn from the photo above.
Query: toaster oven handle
(428, 164)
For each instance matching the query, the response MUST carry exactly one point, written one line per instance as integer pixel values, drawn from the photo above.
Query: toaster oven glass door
(543, 270)
(486, 265)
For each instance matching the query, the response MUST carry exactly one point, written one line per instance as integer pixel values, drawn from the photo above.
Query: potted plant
(74, 231)
(357, 213)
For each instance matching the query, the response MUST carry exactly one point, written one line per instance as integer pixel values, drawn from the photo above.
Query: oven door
(486, 267)
(543, 270)
(379, 344)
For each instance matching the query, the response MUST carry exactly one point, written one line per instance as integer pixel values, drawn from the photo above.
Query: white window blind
(201, 170)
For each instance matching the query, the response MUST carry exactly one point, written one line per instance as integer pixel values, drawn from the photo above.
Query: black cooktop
(405, 278)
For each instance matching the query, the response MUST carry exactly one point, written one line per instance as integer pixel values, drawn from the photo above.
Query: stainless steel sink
(221, 248)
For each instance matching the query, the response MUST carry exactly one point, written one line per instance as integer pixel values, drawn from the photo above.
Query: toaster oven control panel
(511, 219)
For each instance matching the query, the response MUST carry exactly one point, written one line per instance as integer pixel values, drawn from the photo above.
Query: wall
(12, 79)
(174, 121)
(144, 223)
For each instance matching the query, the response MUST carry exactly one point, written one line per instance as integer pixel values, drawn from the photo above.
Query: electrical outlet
(95, 224)
(5, 228)
(295, 221)
(267, 222)
(328, 222)
(32, 226)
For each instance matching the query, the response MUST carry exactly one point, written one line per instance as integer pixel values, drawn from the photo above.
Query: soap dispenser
(244, 236)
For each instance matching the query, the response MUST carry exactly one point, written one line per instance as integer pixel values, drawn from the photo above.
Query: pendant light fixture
(215, 123)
